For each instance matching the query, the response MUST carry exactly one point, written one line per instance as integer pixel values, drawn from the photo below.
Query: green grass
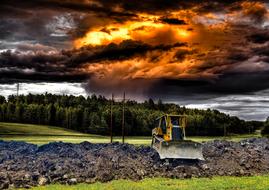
(216, 183)
(29, 129)
(235, 138)
(42, 134)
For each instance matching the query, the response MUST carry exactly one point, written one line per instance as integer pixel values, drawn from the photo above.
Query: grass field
(42, 134)
(216, 183)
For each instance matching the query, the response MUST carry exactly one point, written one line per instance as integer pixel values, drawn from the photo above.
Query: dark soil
(26, 165)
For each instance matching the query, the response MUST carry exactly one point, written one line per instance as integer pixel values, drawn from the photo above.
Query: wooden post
(224, 131)
(111, 119)
(123, 121)
(18, 88)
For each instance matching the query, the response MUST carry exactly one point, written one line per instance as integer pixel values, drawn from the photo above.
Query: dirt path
(25, 165)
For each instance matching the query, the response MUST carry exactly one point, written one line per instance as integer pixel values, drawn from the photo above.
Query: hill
(43, 134)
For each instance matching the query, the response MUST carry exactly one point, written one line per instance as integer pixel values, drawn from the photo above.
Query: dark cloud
(37, 29)
(31, 20)
(256, 11)
(184, 91)
(259, 38)
(182, 53)
(174, 21)
(237, 56)
(239, 83)
(33, 6)
(157, 6)
(118, 52)
(35, 47)
(123, 51)
(66, 64)
(10, 76)
(261, 51)
(7, 27)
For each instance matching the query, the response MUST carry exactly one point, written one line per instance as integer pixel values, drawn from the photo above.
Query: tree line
(92, 115)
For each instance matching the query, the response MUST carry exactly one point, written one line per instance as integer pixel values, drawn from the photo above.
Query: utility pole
(18, 88)
(111, 119)
(123, 122)
(225, 130)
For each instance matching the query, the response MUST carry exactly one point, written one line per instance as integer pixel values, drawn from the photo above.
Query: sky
(203, 54)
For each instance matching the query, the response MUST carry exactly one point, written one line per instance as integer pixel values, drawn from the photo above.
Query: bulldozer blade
(184, 149)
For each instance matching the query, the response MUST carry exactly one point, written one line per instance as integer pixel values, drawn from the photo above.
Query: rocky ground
(26, 165)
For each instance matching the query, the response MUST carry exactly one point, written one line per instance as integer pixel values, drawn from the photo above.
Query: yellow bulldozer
(169, 139)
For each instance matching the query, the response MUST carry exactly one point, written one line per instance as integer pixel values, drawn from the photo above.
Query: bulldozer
(169, 139)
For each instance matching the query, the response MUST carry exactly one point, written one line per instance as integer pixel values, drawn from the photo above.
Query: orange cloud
(256, 10)
(147, 29)
(155, 65)
(210, 37)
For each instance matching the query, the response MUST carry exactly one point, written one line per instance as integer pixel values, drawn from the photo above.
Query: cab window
(175, 121)
(163, 125)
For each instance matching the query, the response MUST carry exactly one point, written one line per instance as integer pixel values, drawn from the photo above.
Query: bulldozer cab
(171, 127)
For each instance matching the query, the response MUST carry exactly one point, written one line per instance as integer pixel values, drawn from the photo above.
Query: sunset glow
(149, 29)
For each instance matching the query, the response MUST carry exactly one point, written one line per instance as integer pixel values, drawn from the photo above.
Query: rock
(242, 161)
(204, 167)
(105, 176)
(35, 176)
(65, 176)
(4, 184)
(221, 173)
(42, 181)
(140, 172)
(26, 186)
(27, 176)
(72, 181)
(247, 166)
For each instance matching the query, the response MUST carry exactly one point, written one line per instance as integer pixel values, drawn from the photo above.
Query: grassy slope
(42, 134)
(29, 129)
(216, 183)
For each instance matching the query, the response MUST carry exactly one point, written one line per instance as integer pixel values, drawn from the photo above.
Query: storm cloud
(161, 49)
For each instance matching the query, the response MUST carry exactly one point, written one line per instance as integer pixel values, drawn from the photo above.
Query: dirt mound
(25, 165)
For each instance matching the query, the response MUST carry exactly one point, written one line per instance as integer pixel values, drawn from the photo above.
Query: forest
(93, 115)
